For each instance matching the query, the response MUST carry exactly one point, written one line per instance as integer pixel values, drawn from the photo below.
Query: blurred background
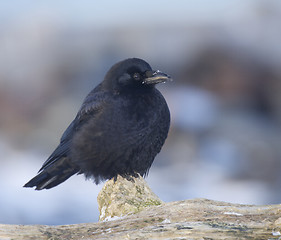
(225, 59)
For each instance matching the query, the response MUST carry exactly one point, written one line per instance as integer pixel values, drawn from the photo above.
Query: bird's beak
(154, 77)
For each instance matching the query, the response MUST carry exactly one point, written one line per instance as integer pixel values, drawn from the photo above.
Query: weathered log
(189, 219)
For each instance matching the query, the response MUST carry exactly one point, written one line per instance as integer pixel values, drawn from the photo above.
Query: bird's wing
(93, 103)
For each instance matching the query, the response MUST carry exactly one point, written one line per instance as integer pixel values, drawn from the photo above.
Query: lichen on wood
(121, 197)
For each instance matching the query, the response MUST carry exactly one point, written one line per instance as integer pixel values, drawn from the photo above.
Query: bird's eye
(137, 76)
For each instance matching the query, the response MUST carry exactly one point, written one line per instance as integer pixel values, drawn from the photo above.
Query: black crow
(120, 127)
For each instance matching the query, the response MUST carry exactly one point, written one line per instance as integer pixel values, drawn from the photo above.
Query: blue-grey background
(225, 101)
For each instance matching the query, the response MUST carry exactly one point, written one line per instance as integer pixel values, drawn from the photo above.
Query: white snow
(233, 213)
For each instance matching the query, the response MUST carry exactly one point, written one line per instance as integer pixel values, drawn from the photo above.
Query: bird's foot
(128, 176)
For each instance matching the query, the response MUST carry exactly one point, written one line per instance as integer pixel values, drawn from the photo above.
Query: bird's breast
(125, 131)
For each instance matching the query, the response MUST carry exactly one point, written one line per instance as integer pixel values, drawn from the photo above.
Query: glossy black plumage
(120, 127)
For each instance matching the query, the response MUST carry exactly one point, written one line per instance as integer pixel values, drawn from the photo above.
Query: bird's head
(133, 73)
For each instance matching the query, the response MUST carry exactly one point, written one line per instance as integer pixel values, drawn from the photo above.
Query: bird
(119, 129)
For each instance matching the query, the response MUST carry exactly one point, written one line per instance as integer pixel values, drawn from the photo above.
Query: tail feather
(53, 175)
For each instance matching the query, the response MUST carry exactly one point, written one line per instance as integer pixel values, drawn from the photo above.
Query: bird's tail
(53, 175)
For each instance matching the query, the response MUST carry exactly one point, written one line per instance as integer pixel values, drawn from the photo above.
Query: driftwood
(189, 219)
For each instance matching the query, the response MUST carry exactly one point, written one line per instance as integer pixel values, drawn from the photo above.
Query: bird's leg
(115, 178)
